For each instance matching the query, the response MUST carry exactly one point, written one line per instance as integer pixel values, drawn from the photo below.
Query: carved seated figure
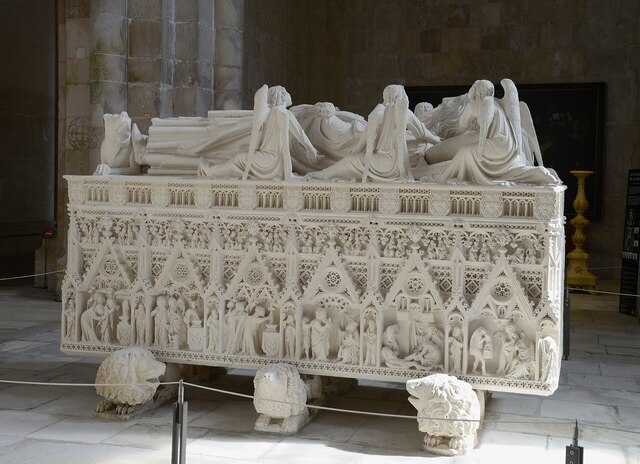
(491, 146)
(269, 156)
(386, 158)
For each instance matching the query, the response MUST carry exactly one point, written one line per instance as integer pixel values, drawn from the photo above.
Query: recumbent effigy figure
(386, 158)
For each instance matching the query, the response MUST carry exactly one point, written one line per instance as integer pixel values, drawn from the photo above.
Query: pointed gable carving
(253, 280)
(180, 272)
(501, 295)
(109, 270)
(414, 284)
(332, 277)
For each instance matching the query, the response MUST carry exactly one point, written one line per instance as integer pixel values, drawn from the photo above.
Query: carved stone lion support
(448, 412)
(280, 398)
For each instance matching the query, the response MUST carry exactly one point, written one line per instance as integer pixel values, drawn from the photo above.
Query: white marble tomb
(387, 278)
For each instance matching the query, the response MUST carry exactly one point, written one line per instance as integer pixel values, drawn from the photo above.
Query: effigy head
(448, 412)
(324, 109)
(278, 96)
(480, 89)
(394, 93)
(422, 109)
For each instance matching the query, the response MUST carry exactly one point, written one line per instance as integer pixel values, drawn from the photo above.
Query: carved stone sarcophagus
(362, 280)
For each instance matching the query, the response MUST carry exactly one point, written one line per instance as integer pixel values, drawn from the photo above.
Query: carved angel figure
(490, 148)
(269, 155)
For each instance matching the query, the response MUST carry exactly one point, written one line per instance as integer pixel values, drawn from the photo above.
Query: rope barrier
(70, 384)
(324, 408)
(32, 275)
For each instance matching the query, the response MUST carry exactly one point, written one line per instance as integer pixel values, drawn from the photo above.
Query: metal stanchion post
(574, 452)
(179, 437)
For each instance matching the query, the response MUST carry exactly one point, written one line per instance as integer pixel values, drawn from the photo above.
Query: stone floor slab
(80, 430)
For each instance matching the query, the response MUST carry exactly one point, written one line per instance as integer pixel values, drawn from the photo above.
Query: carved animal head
(442, 397)
(134, 366)
(280, 382)
(117, 127)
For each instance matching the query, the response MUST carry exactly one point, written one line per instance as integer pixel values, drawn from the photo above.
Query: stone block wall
(346, 52)
(147, 57)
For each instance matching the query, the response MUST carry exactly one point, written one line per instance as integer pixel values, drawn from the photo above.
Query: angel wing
(260, 112)
(375, 117)
(530, 145)
(511, 106)
(401, 108)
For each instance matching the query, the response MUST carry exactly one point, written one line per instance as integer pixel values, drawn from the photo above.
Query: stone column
(185, 59)
(206, 52)
(227, 72)
(145, 60)
(108, 74)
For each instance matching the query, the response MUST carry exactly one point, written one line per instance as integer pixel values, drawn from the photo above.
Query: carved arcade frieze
(375, 281)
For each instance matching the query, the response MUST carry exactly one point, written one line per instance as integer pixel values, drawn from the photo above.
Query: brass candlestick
(578, 274)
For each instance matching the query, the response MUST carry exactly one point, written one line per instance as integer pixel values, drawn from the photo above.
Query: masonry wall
(346, 52)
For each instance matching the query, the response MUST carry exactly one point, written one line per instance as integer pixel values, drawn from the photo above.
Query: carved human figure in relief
(480, 349)
(522, 366)
(390, 353)
(428, 350)
(160, 316)
(176, 327)
(140, 321)
(306, 337)
(549, 357)
(530, 256)
(269, 155)
(490, 148)
(320, 335)
(213, 329)
(70, 317)
(371, 343)
(123, 329)
(456, 347)
(289, 336)
(105, 323)
(95, 312)
(485, 253)
(508, 351)
(191, 316)
(349, 351)
(386, 158)
(251, 330)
